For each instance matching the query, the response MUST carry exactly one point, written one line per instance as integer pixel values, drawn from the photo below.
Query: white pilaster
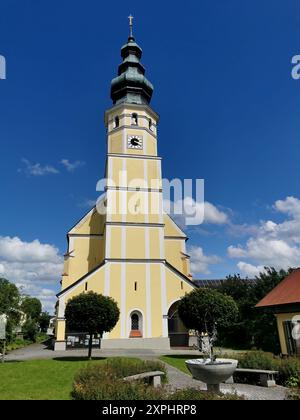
(164, 307)
(123, 300)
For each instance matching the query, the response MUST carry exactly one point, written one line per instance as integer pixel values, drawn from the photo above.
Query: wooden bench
(267, 377)
(153, 377)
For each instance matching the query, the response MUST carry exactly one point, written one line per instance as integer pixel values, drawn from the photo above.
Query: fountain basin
(212, 373)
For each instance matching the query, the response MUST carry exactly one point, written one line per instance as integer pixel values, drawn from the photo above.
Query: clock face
(135, 142)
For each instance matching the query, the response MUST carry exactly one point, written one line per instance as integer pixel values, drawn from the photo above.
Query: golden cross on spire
(130, 17)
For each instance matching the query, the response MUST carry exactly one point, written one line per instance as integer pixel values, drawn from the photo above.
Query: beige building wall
(136, 257)
(281, 318)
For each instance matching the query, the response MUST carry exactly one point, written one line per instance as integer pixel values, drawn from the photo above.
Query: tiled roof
(287, 292)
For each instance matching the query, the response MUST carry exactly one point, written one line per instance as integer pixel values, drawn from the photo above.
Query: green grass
(179, 361)
(40, 379)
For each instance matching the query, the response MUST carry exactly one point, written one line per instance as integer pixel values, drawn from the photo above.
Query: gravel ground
(179, 380)
(40, 351)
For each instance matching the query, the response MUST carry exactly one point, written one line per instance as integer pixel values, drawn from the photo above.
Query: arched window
(117, 122)
(134, 119)
(135, 322)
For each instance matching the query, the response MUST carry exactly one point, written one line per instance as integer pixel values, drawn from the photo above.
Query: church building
(132, 251)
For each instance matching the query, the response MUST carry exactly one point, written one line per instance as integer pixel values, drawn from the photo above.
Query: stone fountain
(210, 370)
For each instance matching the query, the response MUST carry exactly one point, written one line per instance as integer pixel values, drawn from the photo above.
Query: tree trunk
(90, 346)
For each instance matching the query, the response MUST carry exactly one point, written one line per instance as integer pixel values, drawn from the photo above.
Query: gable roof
(287, 292)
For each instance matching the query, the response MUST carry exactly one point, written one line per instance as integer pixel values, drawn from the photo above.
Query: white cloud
(34, 266)
(200, 262)
(213, 215)
(274, 244)
(71, 166)
(36, 169)
(249, 270)
(182, 210)
(290, 206)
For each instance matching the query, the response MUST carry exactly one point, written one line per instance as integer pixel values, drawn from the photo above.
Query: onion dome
(131, 85)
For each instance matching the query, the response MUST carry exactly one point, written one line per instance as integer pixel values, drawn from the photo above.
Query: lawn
(179, 361)
(40, 379)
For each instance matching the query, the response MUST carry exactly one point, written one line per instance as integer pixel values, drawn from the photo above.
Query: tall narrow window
(134, 322)
(182, 285)
(86, 287)
(117, 122)
(134, 119)
(135, 286)
(150, 124)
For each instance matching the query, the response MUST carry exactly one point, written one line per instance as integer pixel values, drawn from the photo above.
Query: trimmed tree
(32, 307)
(203, 310)
(93, 313)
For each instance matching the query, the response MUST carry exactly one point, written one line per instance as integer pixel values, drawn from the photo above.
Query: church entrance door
(178, 333)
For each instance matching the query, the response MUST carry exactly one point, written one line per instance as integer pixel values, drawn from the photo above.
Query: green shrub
(110, 388)
(294, 396)
(127, 367)
(106, 381)
(293, 382)
(258, 360)
(30, 330)
(289, 369)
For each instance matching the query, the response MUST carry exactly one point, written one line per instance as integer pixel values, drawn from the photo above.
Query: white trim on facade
(106, 289)
(61, 307)
(107, 279)
(139, 312)
(123, 301)
(71, 247)
(131, 156)
(123, 242)
(164, 300)
(146, 195)
(148, 333)
(161, 243)
(108, 241)
(123, 194)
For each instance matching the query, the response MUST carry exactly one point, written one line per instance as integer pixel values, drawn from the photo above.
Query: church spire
(131, 86)
(130, 17)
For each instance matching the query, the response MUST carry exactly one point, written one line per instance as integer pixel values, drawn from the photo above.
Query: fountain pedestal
(212, 373)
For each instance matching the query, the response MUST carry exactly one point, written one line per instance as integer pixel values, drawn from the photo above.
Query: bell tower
(133, 169)
(132, 251)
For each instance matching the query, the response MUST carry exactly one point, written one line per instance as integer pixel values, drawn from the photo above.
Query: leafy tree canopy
(92, 313)
(203, 309)
(32, 307)
(9, 296)
(43, 321)
(254, 327)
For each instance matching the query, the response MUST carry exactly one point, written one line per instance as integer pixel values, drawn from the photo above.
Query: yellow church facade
(126, 247)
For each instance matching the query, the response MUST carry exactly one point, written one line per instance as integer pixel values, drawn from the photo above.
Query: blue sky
(229, 114)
